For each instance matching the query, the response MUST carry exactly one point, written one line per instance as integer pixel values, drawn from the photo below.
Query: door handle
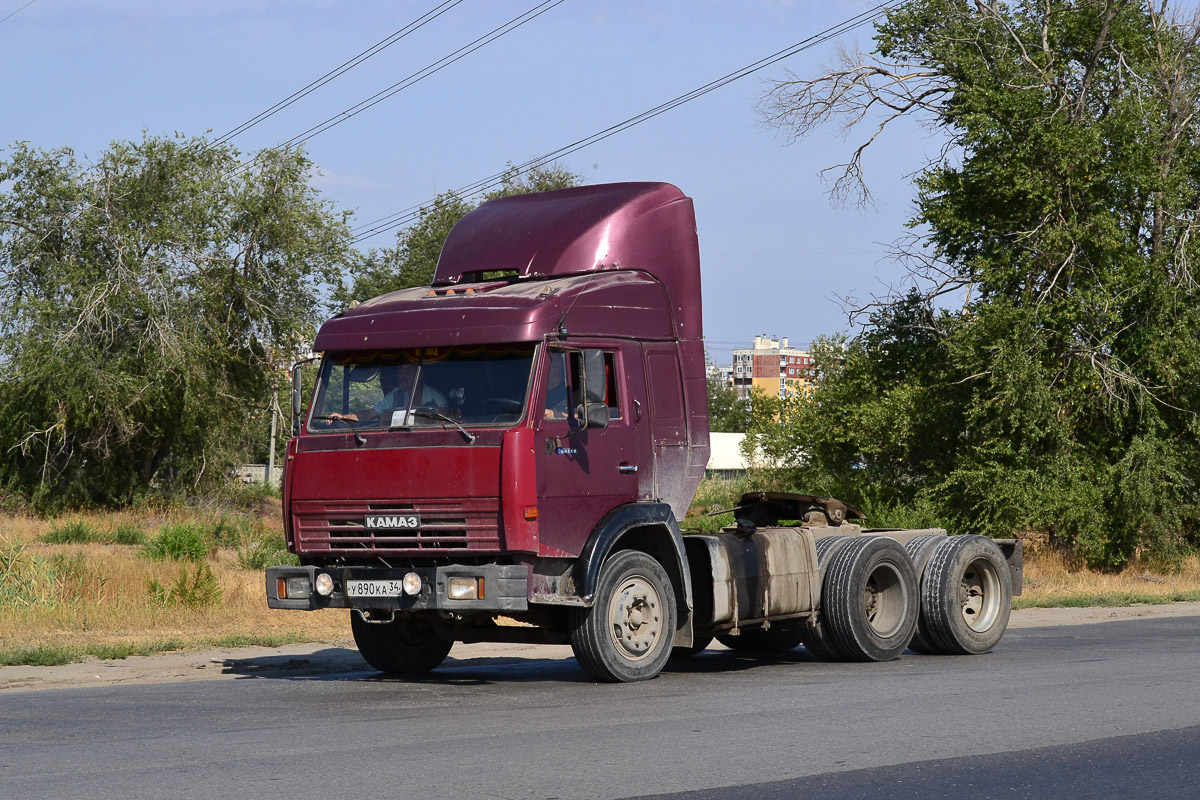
(627, 468)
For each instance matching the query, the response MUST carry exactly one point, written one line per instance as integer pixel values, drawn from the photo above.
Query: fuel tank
(770, 573)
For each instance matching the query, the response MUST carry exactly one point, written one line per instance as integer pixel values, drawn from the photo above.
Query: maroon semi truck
(504, 456)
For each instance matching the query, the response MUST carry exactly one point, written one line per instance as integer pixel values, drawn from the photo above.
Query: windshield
(422, 387)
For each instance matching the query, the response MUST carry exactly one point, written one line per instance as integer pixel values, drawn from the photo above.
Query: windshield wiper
(431, 414)
(358, 437)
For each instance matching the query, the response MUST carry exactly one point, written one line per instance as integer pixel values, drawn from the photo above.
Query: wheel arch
(650, 528)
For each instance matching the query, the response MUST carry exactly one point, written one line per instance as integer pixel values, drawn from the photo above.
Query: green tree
(411, 262)
(726, 412)
(147, 302)
(1061, 395)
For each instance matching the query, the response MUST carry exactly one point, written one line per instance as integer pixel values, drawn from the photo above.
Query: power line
(789, 255)
(345, 67)
(400, 218)
(18, 11)
(420, 75)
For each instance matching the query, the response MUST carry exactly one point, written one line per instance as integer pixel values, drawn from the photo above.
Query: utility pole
(271, 448)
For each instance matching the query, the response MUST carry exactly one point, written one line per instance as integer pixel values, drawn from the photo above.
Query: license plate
(357, 588)
(392, 522)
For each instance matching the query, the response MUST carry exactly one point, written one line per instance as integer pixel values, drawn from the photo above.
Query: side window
(610, 392)
(564, 387)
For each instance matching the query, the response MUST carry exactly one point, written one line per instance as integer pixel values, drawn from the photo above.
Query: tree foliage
(411, 262)
(1062, 394)
(728, 413)
(147, 300)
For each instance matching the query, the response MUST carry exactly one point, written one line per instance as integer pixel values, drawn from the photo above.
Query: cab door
(583, 472)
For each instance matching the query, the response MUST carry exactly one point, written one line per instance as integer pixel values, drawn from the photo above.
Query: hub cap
(884, 600)
(635, 617)
(979, 595)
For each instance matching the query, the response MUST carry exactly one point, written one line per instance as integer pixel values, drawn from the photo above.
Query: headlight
(463, 589)
(412, 584)
(295, 588)
(323, 584)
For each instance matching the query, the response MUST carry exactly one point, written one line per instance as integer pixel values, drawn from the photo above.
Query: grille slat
(447, 526)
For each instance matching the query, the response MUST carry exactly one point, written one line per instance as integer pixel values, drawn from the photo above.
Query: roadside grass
(57, 655)
(1053, 581)
(101, 591)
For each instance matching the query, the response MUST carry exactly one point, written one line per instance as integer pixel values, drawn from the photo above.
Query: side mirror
(594, 379)
(296, 400)
(595, 391)
(298, 395)
(597, 415)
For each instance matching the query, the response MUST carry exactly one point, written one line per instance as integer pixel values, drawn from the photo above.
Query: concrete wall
(257, 473)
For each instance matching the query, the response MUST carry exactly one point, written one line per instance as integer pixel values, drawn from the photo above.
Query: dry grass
(1053, 580)
(91, 597)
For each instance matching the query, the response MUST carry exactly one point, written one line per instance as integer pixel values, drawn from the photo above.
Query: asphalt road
(1104, 710)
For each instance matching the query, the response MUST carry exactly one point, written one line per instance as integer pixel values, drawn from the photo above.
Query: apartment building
(773, 367)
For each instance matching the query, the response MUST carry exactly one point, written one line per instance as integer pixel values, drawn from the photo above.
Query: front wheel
(627, 633)
(405, 646)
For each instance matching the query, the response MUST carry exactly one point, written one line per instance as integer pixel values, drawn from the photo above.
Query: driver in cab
(397, 385)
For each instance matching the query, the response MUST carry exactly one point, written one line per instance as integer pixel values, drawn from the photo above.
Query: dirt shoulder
(305, 660)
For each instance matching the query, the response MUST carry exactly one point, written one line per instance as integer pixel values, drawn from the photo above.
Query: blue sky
(776, 254)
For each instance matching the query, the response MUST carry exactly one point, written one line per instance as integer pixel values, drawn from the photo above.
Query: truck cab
(478, 447)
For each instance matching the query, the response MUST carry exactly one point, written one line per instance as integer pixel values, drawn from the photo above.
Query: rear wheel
(627, 633)
(812, 630)
(919, 549)
(870, 599)
(405, 646)
(966, 597)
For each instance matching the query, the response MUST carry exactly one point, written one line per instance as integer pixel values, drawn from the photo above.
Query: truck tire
(405, 646)
(870, 599)
(812, 630)
(626, 634)
(779, 638)
(919, 549)
(966, 597)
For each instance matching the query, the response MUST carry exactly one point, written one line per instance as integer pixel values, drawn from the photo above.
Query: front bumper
(504, 588)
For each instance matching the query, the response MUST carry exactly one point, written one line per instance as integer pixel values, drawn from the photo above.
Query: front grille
(447, 526)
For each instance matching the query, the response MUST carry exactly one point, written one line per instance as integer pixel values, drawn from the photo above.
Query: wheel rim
(979, 595)
(635, 617)
(885, 599)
